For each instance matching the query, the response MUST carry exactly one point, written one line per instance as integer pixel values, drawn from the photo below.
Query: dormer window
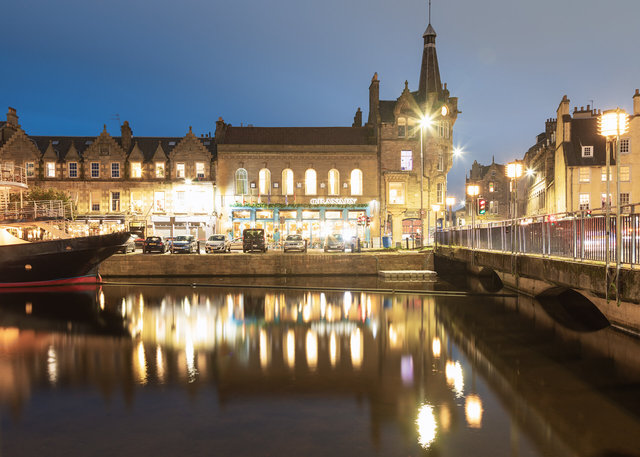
(136, 169)
(51, 169)
(402, 127)
(587, 151)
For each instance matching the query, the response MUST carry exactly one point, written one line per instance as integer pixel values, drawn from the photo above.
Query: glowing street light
(514, 171)
(612, 124)
(473, 191)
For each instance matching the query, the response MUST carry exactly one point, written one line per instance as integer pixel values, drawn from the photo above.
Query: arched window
(402, 127)
(334, 182)
(264, 182)
(242, 187)
(310, 181)
(356, 182)
(287, 181)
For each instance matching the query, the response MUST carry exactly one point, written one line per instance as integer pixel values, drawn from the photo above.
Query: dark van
(253, 240)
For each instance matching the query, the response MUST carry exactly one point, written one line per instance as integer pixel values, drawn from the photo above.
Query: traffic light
(482, 206)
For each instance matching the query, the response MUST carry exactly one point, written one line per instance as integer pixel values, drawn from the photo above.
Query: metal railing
(36, 211)
(12, 175)
(578, 236)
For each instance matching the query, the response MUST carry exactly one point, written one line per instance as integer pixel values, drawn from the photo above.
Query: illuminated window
(585, 174)
(334, 182)
(287, 182)
(584, 201)
(95, 200)
(603, 199)
(73, 169)
(442, 128)
(136, 201)
(491, 187)
(159, 169)
(396, 193)
(624, 173)
(51, 169)
(310, 182)
(604, 174)
(115, 170)
(180, 202)
(158, 201)
(180, 170)
(406, 160)
(95, 170)
(115, 201)
(199, 170)
(242, 186)
(136, 170)
(440, 192)
(624, 198)
(356, 182)
(264, 182)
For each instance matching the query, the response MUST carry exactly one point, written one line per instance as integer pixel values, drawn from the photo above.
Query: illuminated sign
(333, 201)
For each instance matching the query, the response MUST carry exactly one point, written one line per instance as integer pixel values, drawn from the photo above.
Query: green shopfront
(314, 221)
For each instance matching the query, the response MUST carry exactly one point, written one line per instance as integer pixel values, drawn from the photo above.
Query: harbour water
(313, 368)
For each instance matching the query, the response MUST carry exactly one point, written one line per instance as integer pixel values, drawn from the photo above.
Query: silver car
(217, 243)
(295, 243)
(334, 242)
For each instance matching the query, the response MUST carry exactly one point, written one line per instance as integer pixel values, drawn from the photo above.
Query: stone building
(414, 157)
(494, 187)
(161, 185)
(580, 160)
(538, 191)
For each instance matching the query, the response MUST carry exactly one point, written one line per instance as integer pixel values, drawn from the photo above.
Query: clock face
(444, 110)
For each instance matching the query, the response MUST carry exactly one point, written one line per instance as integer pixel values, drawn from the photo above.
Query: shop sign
(333, 201)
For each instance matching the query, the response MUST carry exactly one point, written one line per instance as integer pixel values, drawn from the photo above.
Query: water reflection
(432, 371)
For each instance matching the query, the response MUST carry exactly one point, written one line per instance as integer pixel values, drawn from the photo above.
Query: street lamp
(612, 124)
(435, 208)
(450, 201)
(425, 121)
(473, 191)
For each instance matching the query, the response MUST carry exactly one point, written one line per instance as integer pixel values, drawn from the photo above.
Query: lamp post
(435, 208)
(473, 191)
(424, 122)
(450, 201)
(612, 124)
(514, 171)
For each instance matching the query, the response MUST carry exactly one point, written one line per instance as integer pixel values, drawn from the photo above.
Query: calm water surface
(168, 370)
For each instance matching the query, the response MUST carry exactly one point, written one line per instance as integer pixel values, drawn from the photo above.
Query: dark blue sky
(70, 66)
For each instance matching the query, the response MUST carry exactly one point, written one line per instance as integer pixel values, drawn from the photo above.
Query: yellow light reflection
(189, 354)
(264, 356)
(333, 349)
(473, 411)
(312, 350)
(306, 312)
(159, 364)
(426, 423)
(393, 336)
(347, 303)
(101, 300)
(436, 347)
(141, 366)
(453, 373)
(356, 348)
(323, 305)
(290, 348)
(52, 365)
(445, 417)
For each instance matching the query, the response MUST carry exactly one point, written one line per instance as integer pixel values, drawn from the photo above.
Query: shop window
(51, 169)
(159, 169)
(310, 182)
(334, 182)
(396, 193)
(95, 169)
(356, 214)
(199, 170)
(406, 160)
(136, 169)
(242, 214)
(264, 182)
(288, 214)
(158, 201)
(333, 214)
(73, 169)
(287, 182)
(356, 182)
(180, 170)
(308, 214)
(242, 185)
(115, 170)
(264, 214)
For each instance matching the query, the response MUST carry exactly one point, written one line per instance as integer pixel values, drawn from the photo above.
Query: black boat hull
(61, 261)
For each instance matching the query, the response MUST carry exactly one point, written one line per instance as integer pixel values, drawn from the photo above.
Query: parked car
(184, 243)
(295, 243)
(334, 242)
(235, 244)
(154, 244)
(253, 240)
(129, 245)
(217, 243)
(139, 241)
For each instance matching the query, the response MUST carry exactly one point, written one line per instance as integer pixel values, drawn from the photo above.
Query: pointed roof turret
(429, 71)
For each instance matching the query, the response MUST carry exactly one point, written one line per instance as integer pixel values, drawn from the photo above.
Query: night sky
(71, 66)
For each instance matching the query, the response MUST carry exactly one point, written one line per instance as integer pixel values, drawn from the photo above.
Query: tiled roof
(298, 135)
(584, 132)
(386, 111)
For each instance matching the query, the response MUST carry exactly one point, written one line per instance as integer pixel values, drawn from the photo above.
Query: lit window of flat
(136, 169)
(585, 174)
(51, 169)
(31, 169)
(200, 170)
(624, 173)
(159, 169)
(604, 174)
(396, 193)
(264, 182)
(356, 182)
(310, 182)
(584, 201)
(334, 182)
(242, 186)
(180, 170)
(406, 160)
(287, 182)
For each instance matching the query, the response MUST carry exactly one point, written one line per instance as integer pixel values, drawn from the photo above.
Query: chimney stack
(636, 103)
(126, 133)
(12, 118)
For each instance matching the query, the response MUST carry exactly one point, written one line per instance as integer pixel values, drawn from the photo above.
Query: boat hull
(57, 262)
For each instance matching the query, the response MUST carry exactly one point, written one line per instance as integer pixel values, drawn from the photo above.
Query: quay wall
(268, 264)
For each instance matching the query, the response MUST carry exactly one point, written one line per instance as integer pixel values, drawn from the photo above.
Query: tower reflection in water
(386, 348)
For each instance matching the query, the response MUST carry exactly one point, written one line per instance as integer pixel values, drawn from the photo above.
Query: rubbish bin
(386, 241)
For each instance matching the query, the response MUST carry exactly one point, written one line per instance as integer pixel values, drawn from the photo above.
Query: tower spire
(429, 71)
(429, 11)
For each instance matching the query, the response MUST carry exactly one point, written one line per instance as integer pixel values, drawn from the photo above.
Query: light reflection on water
(426, 383)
